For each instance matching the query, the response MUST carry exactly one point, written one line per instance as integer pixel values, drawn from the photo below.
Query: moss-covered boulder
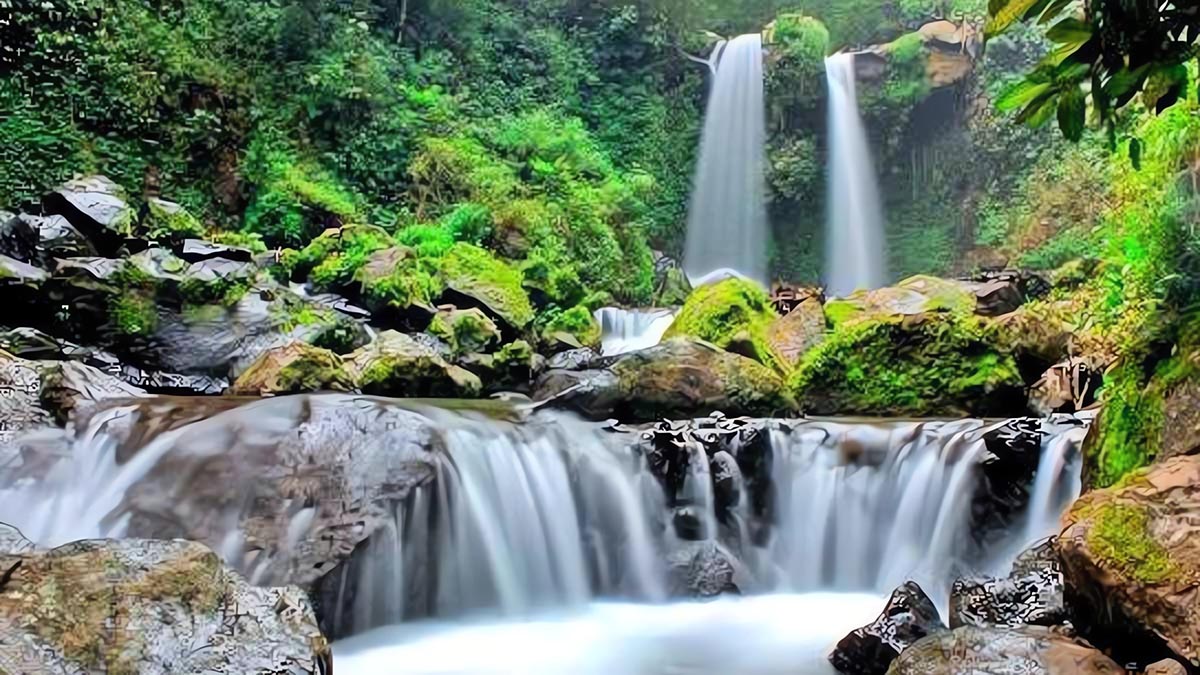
(293, 369)
(465, 330)
(397, 365)
(1132, 561)
(395, 280)
(168, 222)
(474, 274)
(915, 295)
(733, 314)
(140, 606)
(576, 327)
(792, 336)
(937, 364)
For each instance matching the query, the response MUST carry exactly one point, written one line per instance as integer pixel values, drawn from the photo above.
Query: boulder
(1181, 417)
(97, 207)
(397, 365)
(678, 378)
(1132, 566)
(12, 542)
(1165, 667)
(70, 389)
(14, 273)
(703, 569)
(914, 296)
(293, 369)
(168, 223)
(733, 314)
(58, 238)
(908, 617)
(1032, 594)
(1029, 650)
(473, 277)
(792, 335)
(1066, 387)
(465, 330)
(19, 239)
(580, 358)
(150, 607)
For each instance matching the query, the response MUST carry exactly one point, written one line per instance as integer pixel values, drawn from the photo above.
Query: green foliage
(226, 291)
(331, 260)
(132, 306)
(466, 331)
(578, 322)
(169, 223)
(795, 169)
(731, 311)
(1120, 535)
(476, 272)
(943, 364)
(800, 44)
(296, 200)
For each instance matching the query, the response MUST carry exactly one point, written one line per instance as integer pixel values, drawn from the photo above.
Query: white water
(854, 246)
(629, 330)
(727, 223)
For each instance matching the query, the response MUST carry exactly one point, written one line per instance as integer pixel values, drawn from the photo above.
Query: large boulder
(733, 314)
(1032, 594)
(395, 364)
(465, 330)
(793, 335)
(914, 296)
(474, 277)
(909, 616)
(97, 207)
(293, 369)
(1133, 567)
(678, 378)
(1030, 650)
(135, 606)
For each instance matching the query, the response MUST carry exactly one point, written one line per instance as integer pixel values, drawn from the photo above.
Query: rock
(908, 617)
(19, 239)
(1166, 667)
(1181, 417)
(792, 335)
(1014, 449)
(914, 296)
(58, 238)
(671, 286)
(397, 365)
(733, 314)
(1030, 650)
(703, 569)
(12, 542)
(150, 606)
(473, 277)
(1132, 568)
(465, 330)
(1032, 594)
(726, 480)
(678, 378)
(293, 369)
(169, 223)
(13, 272)
(70, 389)
(301, 480)
(1066, 387)
(580, 358)
(95, 206)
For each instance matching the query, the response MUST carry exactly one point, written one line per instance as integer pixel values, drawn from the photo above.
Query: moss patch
(578, 322)
(466, 331)
(476, 273)
(729, 312)
(1120, 535)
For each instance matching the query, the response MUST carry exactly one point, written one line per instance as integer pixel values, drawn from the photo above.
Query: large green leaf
(1012, 12)
(1072, 113)
(1020, 94)
(1070, 31)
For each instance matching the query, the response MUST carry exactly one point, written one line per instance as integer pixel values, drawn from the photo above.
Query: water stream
(629, 330)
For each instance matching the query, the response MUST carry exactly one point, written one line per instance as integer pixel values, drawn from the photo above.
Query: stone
(703, 569)
(19, 239)
(150, 607)
(1165, 667)
(397, 365)
(908, 617)
(293, 369)
(911, 297)
(473, 277)
(580, 358)
(58, 238)
(168, 223)
(792, 335)
(97, 207)
(12, 542)
(13, 272)
(1132, 564)
(465, 330)
(70, 389)
(595, 394)
(1181, 418)
(1029, 650)
(1032, 593)
(1066, 387)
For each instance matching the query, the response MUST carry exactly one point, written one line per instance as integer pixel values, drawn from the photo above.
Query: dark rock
(688, 524)
(1014, 449)
(95, 206)
(395, 364)
(1066, 387)
(19, 239)
(1032, 594)
(703, 569)
(908, 617)
(58, 238)
(591, 393)
(220, 269)
(573, 359)
(196, 250)
(727, 479)
(1181, 419)
(1028, 650)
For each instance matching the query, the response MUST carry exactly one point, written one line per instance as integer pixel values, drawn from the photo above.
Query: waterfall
(727, 223)
(854, 257)
(629, 330)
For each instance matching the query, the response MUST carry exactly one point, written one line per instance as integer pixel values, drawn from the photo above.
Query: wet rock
(573, 359)
(473, 277)
(293, 369)
(678, 378)
(1066, 387)
(671, 286)
(911, 297)
(301, 480)
(1181, 419)
(19, 239)
(703, 569)
(1029, 650)
(1014, 449)
(31, 343)
(58, 238)
(97, 207)
(397, 365)
(69, 388)
(1166, 667)
(688, 524)
(792, 335)
(726, 479)
(1132, 566)
(13, 273)
(908, 617)
(1032, 594)
(465, 330)
(179, 608)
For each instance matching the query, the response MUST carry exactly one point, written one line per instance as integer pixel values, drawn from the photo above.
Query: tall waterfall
(854, 246)
(727, 223)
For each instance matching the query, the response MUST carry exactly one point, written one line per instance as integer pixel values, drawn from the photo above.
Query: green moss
(1120, 535)
(132, 302)
(728, 312)
(466, 331)
(411, 283)
(252, 241)
(477, 273)
(941, 364)
(317, 371)
(165, 221)
(224, 291)
(331, 260)
(578, 322)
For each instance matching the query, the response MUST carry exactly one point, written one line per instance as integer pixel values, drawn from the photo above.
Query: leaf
(1021, 94)
(1124, 83)
(1036, 113)
(1135, 153)
(1011, 12)
(1070, 30)
(1072, 113)
(1056, 7)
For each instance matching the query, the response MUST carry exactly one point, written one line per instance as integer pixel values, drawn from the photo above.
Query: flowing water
(727, 222)
(854, 238)
(629, 330)
(541, 546)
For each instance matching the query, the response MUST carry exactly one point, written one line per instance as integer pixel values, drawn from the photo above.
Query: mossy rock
(293, 369)
(579, 323)
(465, 330)
(733, 314)
(915, 295)
(474, 273)
(396, 279)
(930, 365)
(397, 365)
(169, 222)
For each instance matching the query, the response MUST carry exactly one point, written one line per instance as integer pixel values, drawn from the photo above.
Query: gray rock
(196, 250)
(573, 359)
(12, 542)
(593, 393)
(95, 206)
(908, 617)
(19, 239)
(13, 272)
(1029, 650)
(1032, 594)
(703, 569)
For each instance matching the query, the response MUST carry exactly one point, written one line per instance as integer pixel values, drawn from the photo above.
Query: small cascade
(727, 222)
(629, 330)
(854, 240)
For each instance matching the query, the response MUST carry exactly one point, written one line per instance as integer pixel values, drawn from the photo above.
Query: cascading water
(854, 234)
(629, 330)
(536, 538)
(727, 222)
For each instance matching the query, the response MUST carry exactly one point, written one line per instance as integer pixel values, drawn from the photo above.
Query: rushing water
(542, 546)
(854, 257)
(727, 222)
(630, 330)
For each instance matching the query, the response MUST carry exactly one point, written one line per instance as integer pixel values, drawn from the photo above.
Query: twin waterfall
(727, 222)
